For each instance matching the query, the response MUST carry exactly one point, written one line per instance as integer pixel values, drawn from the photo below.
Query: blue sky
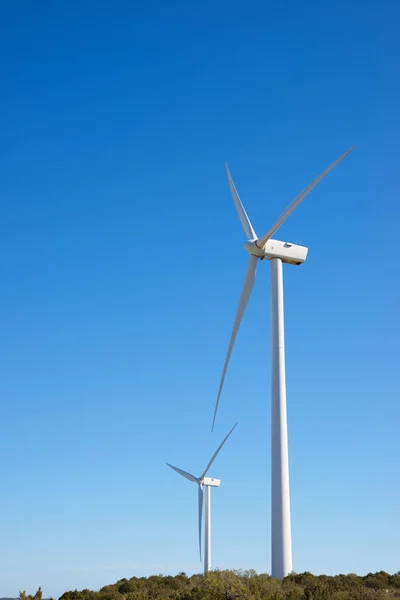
(122, 262)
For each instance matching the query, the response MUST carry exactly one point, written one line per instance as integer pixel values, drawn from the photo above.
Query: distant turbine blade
(248, 229)
(244, 298)
(184, 473)
(214, 456)
(295, 203)
(200, 514)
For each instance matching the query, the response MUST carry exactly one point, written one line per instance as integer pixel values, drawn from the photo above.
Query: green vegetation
(37, 596)
(245, 585)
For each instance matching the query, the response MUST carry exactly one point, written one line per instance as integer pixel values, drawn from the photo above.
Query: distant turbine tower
(277, 252)
(207, 482)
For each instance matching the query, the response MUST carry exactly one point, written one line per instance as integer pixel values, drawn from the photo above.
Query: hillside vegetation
(247, 585)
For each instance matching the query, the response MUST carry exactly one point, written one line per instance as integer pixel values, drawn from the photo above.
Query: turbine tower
(277, 252)
(207, 482)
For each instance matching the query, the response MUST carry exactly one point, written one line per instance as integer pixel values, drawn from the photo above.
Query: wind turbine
(277, 252)
(207, 482)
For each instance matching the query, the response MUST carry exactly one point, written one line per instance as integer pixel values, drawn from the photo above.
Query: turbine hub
(252, 248)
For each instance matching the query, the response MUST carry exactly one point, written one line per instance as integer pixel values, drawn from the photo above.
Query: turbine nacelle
(211, 482)
(288, 253)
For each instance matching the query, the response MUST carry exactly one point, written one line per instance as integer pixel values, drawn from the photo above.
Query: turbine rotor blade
(184, 473)
(244, 298)
(214, 456)
(295, 203)
(200, 497)
(244, 219)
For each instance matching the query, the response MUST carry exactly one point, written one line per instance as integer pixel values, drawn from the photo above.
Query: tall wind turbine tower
(277, 252)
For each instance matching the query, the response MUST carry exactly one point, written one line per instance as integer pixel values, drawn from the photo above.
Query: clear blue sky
(121, 266)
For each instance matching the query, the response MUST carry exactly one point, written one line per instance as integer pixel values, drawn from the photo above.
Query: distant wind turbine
(206, 482)
(277, 252)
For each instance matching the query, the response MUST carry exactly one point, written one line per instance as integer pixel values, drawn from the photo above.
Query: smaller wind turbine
(207, 482)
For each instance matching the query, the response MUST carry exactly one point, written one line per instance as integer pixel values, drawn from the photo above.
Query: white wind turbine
(206, 482)
(277, 252)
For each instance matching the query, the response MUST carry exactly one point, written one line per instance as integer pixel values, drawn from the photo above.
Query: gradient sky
(122, 262)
